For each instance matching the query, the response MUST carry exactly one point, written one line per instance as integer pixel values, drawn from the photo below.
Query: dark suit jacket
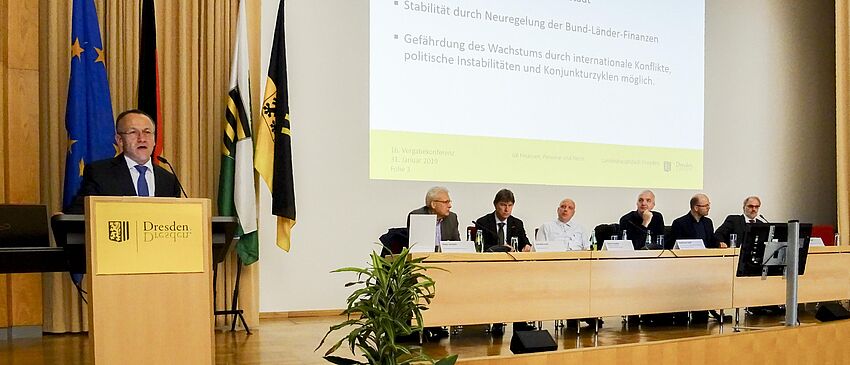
(111, 177)
(448, 229)
(734, 223)
(683, 228)
(632, 223)
(514, 228)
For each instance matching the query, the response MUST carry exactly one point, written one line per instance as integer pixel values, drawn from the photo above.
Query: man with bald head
(695, 224)
(564, 228)
(642, 221)
(132, 172)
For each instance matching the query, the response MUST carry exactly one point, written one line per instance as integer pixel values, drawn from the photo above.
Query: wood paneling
(639, 286)
(153, 317)
(842, 116)
(4, 301)
(22, 136)
(26, 299)
(505, 288)
(487, 292)
(23, 42)
(808, 345)
(827, 277)
(19, 143)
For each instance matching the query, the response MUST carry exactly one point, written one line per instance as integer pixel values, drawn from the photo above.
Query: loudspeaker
(831, 312)
(532, 341)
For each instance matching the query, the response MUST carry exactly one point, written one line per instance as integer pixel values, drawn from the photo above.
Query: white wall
(769, 129)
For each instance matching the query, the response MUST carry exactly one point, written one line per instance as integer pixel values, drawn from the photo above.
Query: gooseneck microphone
(764, 219)
(163, 160)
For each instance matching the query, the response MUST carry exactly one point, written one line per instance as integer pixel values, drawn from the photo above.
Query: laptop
(23, 225)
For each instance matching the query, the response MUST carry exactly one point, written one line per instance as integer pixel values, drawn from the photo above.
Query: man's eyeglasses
(750, 206)
(137, 133)
(443, 201)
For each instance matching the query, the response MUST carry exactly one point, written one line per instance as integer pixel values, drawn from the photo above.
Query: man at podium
(132, 172)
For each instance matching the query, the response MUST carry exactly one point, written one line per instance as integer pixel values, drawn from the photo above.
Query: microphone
(485, 229)
(763, 218)
(163, 160)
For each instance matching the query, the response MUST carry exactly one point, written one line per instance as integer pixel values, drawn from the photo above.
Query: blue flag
(88, 115)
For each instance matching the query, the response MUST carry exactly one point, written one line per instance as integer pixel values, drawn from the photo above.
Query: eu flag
(88, 115)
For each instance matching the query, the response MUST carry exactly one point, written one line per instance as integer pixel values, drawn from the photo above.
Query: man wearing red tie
(736, 223)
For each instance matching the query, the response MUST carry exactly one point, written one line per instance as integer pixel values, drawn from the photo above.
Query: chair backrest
(604, 232)
(395, 240)
(826, 232)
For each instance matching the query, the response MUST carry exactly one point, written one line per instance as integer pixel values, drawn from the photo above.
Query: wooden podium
(150, 280)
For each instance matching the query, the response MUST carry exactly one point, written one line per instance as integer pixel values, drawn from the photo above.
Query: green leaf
(448, 360)
(341, 360)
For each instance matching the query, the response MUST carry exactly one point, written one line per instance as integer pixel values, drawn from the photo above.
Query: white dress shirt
(134, 175)
(571, 232)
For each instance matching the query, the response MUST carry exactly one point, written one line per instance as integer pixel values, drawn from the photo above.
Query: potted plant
(394, 290)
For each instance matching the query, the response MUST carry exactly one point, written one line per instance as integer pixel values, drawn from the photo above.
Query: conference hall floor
(293, 340)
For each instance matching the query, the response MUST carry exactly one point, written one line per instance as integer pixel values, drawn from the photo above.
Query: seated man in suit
(642, 221)
(695, 224)
(737, 223)
(500, 226)
(131, 173)
(564, 228)
(437, 202)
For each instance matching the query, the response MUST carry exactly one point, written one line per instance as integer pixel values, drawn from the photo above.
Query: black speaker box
(831, 312)
(532, 341)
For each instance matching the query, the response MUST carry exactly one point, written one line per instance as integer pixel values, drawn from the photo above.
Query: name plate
(550, 246)
(617, 245)
(457, 247)
(697, 244)
(816, 242)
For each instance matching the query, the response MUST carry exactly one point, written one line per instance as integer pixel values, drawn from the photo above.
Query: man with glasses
(695, 224)
(437, 202)
(737, 223)
(132, 172)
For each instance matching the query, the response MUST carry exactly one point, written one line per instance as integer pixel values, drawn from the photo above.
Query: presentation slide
(555, 92)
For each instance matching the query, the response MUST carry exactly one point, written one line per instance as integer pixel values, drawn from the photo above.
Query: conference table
(477, 288)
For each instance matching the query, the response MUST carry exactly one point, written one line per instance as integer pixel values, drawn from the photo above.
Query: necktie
(501, 233)
(752, 220)
(142, 183)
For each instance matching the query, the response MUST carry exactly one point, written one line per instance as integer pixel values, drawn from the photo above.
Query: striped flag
(274, 142)
(148, 91)
(236, 182)
(88, 115)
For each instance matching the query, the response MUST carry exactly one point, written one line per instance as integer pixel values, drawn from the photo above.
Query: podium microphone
(163, 160)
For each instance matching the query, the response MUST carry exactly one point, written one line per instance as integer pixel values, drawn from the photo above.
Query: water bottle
(733, 240)
(648, 243)
(479, 241)
(515, 243)
(625, 236)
